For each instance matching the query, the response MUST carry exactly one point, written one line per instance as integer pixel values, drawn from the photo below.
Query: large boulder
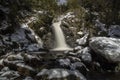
(59, 74)
(108, 48)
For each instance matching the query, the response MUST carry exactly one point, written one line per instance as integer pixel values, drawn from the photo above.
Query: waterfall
(60, 42)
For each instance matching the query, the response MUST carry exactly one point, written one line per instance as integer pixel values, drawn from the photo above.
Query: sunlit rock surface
(85, 55)
(109, 48)
(60, 74)
(83, 41)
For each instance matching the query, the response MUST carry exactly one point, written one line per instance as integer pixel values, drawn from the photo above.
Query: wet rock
(80, 67)
(61, 74)
(30, 57)
(85, 55)
(114, 31)
(28, 78)
(82, 41)
(77, 48)
(74, 59)
(14, 57)
(108, 48)
(4, 9)
(4, 25)
(95, 66)
(1, 43)
(25, 69)
(72, 54)
(7, 74)
(17, 62)
(64, 62)
(19, 36)
(1, 64)
(33, 47)
(32, 60)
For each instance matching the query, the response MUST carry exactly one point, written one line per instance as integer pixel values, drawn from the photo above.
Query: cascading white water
(60, 42)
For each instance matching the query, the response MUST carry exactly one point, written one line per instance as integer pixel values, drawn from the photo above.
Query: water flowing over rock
(61, 74)
(60, 42)
(109, 48)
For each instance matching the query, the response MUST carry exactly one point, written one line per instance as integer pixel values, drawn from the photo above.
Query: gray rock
(79, 66)
(5, 69)
(114, 31)
(64, 62)
(85, 55)
(25, 39)
(25, 69)
(74, 59)
(82, 41)
(61, 74)
(72, 54)
(17, 62)
(109, 48)
(10, 74)
(28, 78)
(19, 36)
(100, 25)
(77, 48)
(1, 43)
(7, 74)
(4, 25)
(4, 9)
(33, 47)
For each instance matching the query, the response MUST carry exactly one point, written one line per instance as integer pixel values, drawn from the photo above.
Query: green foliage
(73, 4)
(108, 9)
(44, 20)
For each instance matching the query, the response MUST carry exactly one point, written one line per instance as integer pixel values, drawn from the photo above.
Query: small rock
(82, 41)
(74, 59)
(80, 67)
(64, 62)
(77, 48)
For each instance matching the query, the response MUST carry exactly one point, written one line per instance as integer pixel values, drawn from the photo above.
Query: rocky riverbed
(26, 56)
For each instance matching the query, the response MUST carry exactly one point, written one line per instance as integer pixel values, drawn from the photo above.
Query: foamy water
(60, 42)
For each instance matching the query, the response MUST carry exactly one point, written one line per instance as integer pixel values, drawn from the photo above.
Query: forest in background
(90, 27)
(107, 11)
